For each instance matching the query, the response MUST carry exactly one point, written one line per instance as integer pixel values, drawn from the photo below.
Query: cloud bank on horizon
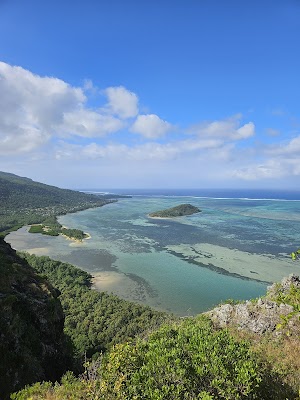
(46, 124)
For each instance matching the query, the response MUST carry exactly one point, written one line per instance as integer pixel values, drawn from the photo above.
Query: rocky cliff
(275, 313)
(32, 343)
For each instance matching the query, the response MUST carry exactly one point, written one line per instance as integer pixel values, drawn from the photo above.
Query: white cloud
(244, 132)
(38, 100)
(228, 129)
(268, 170)
(45, 120)
(122, 102)
(33, 109)
(87, 123)
(30, 106)
(23, 140)
(148, 151)
(150, 126)
(291, 148)
(111, 151)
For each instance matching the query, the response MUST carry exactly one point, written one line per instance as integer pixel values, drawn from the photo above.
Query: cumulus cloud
(122, 102)
(24, 139)
(33, 109)
(290, 148)
(87, 123)
(40, 100)
(46, 118)
(30, 106)
(228, 129)
(150, 126)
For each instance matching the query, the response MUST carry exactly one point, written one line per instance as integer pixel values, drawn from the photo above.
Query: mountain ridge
(24, 201)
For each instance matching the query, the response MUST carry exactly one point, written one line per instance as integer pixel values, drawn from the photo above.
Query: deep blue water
(269, 194)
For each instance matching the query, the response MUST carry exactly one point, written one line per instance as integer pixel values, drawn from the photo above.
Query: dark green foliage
(178, 211)
(55, 228)
(32, 343)
(182, 361)
(94, 320)
(36, 229)
(71, 388)
(25, 202)
(73, 233)
(44, 230)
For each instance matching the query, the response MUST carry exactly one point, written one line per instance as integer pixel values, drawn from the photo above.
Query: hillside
(178, 211)
(255, 357)
(52, 321)
(32, 343)
(46, 331)
(24, 201)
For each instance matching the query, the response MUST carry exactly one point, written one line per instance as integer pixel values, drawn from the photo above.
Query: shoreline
(165, 218)
(221, 260)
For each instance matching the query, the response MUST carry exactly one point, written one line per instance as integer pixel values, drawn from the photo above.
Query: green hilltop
(24, 201)
(178, 211)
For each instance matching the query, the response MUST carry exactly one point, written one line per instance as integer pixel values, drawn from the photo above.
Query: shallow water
(188, 265)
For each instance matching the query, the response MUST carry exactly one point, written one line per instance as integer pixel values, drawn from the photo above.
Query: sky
(151, 93)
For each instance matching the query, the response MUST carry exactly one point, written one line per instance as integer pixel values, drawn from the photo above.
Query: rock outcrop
(32, 343)
(273, 313)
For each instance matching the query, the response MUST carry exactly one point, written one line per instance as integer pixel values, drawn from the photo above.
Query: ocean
(239, 244)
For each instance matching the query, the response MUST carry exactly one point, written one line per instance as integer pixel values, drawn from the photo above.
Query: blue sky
(145, 94)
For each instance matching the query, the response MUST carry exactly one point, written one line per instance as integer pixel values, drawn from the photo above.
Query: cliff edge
(32, 343)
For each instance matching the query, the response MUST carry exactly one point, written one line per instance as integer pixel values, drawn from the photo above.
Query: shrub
(182, 361)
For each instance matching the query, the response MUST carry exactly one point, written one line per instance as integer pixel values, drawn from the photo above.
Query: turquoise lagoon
(233, 249)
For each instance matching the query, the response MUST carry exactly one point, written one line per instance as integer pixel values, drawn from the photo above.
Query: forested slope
(23, 201)
(32, 343)
(94, 320)
(150, 355)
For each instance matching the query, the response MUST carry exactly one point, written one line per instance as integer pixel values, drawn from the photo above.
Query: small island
(52, 227)
(178, 211)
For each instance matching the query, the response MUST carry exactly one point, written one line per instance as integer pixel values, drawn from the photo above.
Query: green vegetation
(181, 360)
(74, 233)
(37, 229)
(55, 230)
(119, 349)
(134, 352)
(295, 254)
(291, 298)
(32, 343)
(178, 211)
(188, 360)
(25, 202)
(94, 321)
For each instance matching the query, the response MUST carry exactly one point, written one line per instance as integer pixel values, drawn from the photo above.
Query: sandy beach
(119, 284)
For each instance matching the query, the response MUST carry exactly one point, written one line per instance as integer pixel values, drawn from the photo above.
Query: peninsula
(178, 211)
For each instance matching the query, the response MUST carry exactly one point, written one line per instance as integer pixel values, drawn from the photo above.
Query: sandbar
(39, 251)
(260, 267)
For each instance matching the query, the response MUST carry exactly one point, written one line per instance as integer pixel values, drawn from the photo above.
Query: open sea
(233, 249)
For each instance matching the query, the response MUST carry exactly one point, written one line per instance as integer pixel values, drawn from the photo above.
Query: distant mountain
(24, 201)
(178, 211)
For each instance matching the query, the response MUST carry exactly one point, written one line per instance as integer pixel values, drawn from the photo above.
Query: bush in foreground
(186, 360)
